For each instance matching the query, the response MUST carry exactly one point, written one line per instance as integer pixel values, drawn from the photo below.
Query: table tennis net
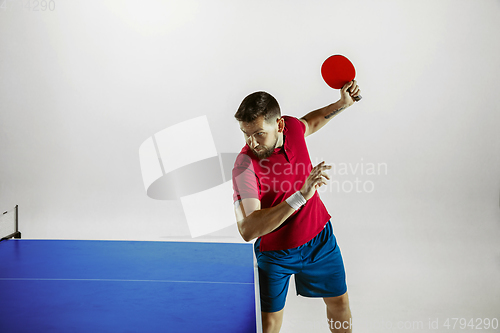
(9, 224)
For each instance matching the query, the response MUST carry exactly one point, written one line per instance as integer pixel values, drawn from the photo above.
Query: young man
(277, 203)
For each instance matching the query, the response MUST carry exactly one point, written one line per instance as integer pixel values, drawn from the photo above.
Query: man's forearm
(263, 221)
(333, 109)
(319, 118)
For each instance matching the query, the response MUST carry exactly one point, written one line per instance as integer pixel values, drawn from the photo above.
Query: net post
(17, 234)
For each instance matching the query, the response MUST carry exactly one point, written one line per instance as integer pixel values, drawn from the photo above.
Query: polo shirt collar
(287, 149)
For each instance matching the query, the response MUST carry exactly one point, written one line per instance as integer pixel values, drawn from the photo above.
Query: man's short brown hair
(258, 104)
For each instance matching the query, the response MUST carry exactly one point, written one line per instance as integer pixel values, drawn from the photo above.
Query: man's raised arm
(315, 120)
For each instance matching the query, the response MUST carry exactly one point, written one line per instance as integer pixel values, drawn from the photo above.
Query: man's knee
(271, 321)
(337, 303)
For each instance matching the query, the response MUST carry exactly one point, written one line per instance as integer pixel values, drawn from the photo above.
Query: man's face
(261, 136)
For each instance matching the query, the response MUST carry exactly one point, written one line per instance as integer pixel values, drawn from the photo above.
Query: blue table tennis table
(127, 286)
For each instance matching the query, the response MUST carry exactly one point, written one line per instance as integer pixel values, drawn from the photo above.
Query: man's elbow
(244, 232)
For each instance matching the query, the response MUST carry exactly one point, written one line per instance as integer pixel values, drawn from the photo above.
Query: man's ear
(281, 124)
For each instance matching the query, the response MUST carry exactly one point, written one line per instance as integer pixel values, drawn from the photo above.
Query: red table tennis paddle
(337, 70)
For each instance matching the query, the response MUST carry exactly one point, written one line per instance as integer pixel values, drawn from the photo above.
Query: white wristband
(296, 200)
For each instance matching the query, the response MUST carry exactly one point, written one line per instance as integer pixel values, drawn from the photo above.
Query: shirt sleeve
(297, 124)
(245, 181)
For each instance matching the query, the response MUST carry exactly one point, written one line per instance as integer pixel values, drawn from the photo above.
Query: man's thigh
(323, 273)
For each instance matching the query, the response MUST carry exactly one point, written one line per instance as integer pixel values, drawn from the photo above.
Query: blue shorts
(317, 265)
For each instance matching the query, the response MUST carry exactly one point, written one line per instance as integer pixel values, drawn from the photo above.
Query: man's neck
(280, 142)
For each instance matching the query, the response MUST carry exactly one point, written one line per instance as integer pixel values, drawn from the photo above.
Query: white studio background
(84, 83)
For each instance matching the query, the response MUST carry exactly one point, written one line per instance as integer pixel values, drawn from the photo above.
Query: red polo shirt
(274, 179)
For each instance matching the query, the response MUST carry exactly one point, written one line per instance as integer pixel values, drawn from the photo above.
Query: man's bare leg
(338, 313)
(271, 321)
